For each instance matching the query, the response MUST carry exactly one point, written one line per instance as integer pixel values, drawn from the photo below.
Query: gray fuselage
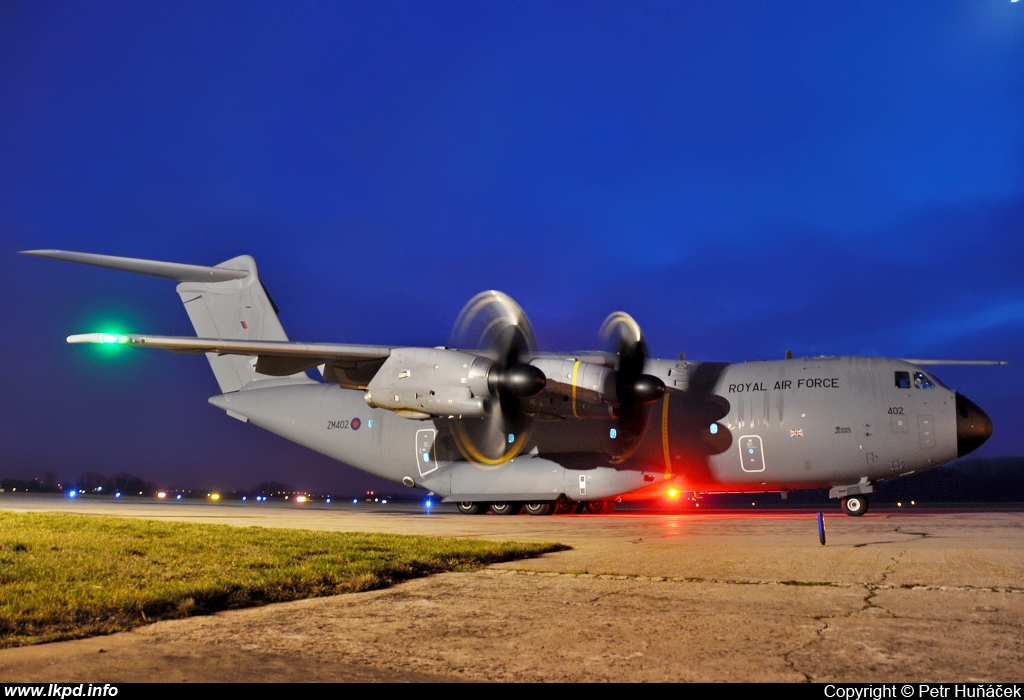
(752, 426)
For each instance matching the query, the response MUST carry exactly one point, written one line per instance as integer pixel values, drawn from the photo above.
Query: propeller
(634, 390)
(494, 324)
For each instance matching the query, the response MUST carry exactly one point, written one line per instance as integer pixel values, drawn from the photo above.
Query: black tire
(600, 507)
(505, 508)
(470, 508)
(539, 508)
(563, 506)
(855, 506)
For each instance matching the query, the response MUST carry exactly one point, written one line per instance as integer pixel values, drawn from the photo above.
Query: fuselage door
(751, 453)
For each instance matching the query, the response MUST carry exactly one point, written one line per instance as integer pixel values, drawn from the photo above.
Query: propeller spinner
(634, 390)
(494, 324)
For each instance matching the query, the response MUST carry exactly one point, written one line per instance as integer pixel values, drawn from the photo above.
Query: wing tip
(100, 338)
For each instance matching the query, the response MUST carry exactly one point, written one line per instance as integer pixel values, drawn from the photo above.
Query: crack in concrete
(818, 635)
(922, 535)
(747, 582)
(874, 588)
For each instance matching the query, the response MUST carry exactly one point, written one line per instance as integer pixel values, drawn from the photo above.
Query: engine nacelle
(425, 382)
(575, 388)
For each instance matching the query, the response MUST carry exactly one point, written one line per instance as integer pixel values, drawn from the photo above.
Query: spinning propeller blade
(495, 325)
(634, 390)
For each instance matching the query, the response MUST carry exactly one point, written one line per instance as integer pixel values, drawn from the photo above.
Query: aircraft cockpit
(920, 381)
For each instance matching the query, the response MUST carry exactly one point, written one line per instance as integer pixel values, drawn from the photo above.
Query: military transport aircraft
(491, 424)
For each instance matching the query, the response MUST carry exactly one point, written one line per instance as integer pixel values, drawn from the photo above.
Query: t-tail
(225, 302)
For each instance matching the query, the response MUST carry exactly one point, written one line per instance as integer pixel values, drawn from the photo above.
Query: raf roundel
(355, 424)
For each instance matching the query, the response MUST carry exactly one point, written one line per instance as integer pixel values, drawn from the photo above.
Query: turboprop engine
(422, 382)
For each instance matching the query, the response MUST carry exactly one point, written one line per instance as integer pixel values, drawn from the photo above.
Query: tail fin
(238, 309)
(226, 302)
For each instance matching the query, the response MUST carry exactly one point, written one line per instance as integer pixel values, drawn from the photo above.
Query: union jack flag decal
(796, 433)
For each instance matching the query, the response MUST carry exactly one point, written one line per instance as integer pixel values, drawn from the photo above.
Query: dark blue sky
(742, 177)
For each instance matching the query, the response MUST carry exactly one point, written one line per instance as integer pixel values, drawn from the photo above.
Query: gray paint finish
(398, 413)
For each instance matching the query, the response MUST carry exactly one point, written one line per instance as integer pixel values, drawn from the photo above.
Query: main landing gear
(562, 506)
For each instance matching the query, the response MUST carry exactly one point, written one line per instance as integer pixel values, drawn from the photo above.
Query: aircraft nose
(973, 426)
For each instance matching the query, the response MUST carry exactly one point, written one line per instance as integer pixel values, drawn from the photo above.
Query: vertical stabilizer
(237, 309)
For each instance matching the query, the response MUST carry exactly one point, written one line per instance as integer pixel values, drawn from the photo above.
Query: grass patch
(70, 576)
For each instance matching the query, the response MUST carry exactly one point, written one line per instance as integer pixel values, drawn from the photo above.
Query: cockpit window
(921, 381)
(903, 380)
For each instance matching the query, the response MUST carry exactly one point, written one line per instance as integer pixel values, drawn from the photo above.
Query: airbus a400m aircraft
(491, 424)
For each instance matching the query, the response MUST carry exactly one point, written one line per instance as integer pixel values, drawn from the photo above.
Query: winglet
(155, 268)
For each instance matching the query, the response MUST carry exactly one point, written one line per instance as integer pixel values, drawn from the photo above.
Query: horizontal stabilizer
(938, 363)
(154, 268)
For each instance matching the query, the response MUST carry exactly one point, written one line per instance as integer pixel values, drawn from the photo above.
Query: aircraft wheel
(539, 508)
(470, 508)
(505, 508)
(855, 505)
(600, 507)
(563, 506)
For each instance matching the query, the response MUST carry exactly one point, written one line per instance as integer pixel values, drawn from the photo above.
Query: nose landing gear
(855, 505)
(854, 497)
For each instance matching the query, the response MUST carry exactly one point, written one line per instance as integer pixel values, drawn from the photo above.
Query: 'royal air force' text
(811, 383)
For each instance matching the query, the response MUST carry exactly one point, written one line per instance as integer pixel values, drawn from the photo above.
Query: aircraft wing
(949, 363)
(352, 366)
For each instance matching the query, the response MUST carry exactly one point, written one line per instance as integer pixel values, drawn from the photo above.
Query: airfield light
(214, 496)
(245, 498)
(117, 494)
(914, 503)
(328, 500)
(429, 503)
(73, 493)
(99, 488)
(899, 504)
(355, 500)
(177, 498)
(300, 499)
(161, 494)
(382, 502)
